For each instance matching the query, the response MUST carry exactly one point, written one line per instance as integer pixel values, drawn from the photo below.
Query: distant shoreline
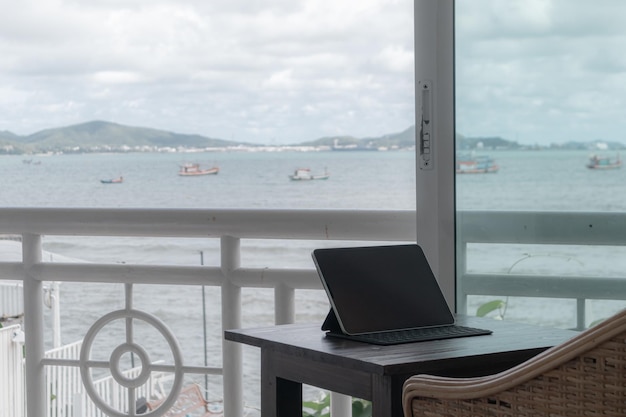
(261, 148)
(291, 148)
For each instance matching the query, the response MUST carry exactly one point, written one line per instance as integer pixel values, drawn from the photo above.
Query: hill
(494, 142)
(98, 136)
(404, 139)
(102, 136)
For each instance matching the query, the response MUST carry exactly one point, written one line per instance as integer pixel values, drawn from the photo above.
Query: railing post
(340, 405)
(461, 270)
(33, 327)
(232, 358)
(55, 305)
(77, 405)
(581, 314)
(284, 304)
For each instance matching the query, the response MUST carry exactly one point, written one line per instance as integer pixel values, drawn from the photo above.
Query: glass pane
(96, 93)
(540, 184)
(138, 104)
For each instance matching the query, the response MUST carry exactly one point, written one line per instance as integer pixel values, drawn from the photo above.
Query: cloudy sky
(541, 71)
(287, 71)
(266, 71)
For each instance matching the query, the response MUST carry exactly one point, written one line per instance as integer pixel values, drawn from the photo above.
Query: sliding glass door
(540, 190)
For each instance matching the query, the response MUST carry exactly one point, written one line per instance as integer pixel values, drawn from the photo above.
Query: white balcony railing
(594, 242)
(230, 227)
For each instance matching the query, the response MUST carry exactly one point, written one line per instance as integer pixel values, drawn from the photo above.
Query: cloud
(223, 68)
(116, 77)
(541, 71)
(397, 59)
(294, 70)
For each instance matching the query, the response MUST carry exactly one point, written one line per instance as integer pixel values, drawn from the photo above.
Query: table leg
(279, 397)
(288, 398)
(386, 396)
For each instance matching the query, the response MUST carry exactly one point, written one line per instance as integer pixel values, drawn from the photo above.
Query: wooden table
(295, 354)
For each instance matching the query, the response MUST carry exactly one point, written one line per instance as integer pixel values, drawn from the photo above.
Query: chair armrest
(589, 367)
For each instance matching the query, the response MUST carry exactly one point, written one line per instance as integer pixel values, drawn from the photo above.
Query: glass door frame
(435, 133)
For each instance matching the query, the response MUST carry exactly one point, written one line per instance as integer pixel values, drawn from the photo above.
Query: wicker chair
(585, 376)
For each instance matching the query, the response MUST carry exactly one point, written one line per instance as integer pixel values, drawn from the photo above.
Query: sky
(541, 71)
(289, 71)
(260, 71)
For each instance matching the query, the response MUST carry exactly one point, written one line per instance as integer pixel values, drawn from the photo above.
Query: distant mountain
(100, 135)
(497, 143)
(6, 135)
(481, 142)
(596, 145)
(404, 139)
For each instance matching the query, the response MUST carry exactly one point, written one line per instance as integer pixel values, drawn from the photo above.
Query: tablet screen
(381, 288)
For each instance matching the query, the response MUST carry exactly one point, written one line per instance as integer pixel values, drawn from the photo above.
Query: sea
(554, 180)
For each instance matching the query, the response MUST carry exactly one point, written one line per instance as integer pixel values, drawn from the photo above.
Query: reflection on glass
(539, 92)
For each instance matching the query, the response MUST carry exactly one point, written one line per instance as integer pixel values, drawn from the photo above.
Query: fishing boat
(597, 162)
(117, 180)
(468, 164)
(304, 174)
(193, 170)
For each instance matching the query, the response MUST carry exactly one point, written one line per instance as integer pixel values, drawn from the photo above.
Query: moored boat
(117, 180)
(193, 169)
(597, 162)
(468, 164)
(304, 174)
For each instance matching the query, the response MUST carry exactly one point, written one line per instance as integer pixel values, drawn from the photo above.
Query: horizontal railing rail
(539, 228)
(243, 223)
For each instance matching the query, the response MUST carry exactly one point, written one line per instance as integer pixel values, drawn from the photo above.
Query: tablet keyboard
(415, 335)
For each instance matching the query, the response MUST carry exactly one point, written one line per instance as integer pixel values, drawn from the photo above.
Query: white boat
(304, 174)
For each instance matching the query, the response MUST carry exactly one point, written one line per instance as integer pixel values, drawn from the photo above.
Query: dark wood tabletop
(301, 353)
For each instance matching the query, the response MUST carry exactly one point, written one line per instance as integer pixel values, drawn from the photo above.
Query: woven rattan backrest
(585, 376)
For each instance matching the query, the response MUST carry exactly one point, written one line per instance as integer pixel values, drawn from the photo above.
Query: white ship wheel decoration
(129, 346)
